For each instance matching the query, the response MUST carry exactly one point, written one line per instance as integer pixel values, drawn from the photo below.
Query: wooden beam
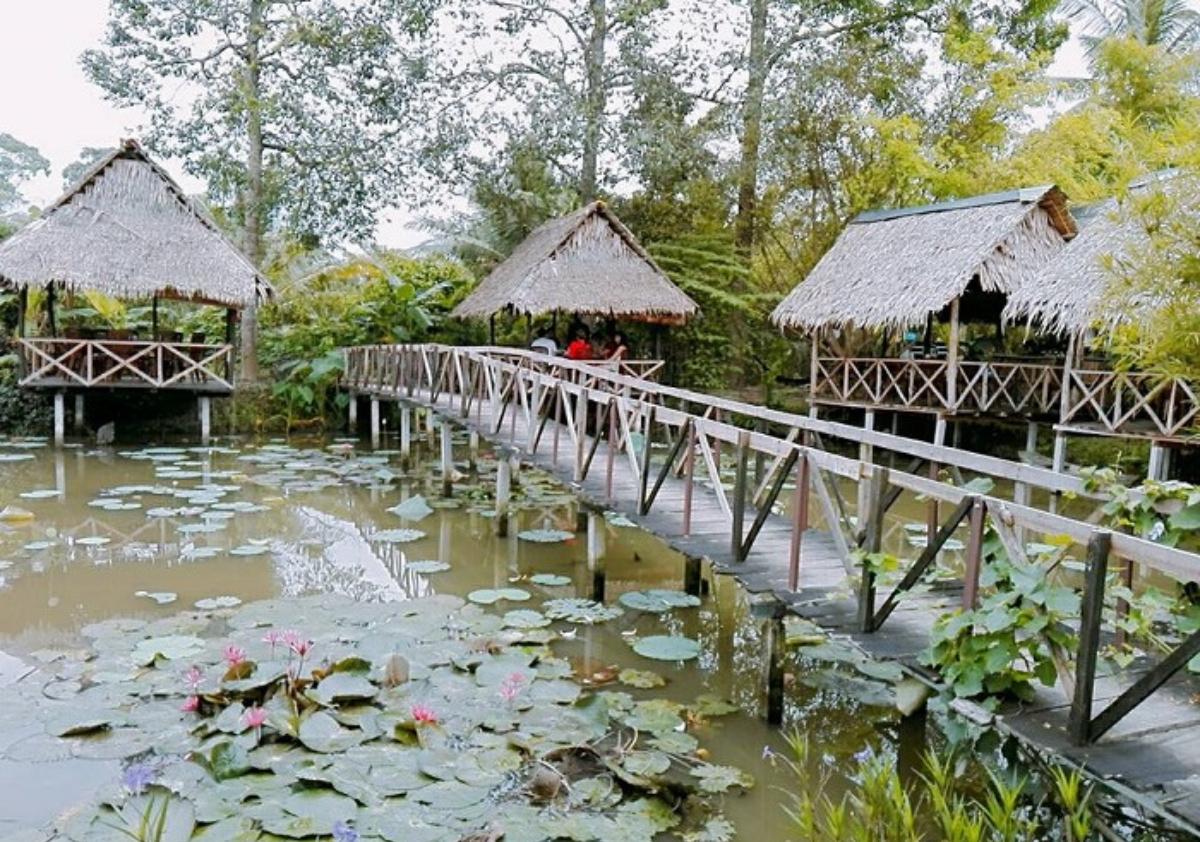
(1079, 723)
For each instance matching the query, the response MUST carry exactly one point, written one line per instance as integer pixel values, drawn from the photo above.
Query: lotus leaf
(667, 648)
(545, 536)
(525, 619)
(583, 611)
(414, 508)
(658, 601)
(713, 778)
(643, 679)
(550, 580)
(170, 647)
(487, 596)
(398, 536)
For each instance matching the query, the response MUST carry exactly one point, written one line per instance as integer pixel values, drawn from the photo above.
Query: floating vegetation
(545, 536)
(550, 580)
(385, 721)
(487, 596)
(414, 508)
(667, 648)
(214, 603)
(427, 566)
(398, 536)
(582, 611)
(160, 597)
(658, 601)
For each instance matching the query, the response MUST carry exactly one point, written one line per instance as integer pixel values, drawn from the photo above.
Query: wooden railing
(1117, 402)
(488, 387)
(991, 388)
(114, 363)
(643, 369)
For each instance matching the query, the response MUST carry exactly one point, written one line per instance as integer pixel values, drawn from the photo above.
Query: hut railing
(119, 363)
(663, 432)
(994, 388)
(1130, 403)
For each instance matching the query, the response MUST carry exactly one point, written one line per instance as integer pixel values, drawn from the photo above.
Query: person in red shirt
(580, 348)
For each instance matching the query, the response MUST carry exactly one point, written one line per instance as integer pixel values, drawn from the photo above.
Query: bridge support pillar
(374, 422)
(473, 451)
(429, 428)
(693, 583)
(60, 421)
(503, 493)
(406, 419)
(1160, 462)
(205, 407)
(352, 419)
(77, 416)
(596, 552)
(447, 460)
(866, 454)
(775, 638)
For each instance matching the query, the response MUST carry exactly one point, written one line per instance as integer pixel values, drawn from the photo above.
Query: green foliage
(18, 162)
(23, 412)
(878, 806)
(1014, 637)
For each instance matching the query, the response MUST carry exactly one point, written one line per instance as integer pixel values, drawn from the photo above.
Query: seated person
(544, 343)
(580, 348)
(615, 348)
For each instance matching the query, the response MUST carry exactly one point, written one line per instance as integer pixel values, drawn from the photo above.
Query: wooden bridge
(636, 446)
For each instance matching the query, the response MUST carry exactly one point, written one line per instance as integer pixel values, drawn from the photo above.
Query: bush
(23, 412)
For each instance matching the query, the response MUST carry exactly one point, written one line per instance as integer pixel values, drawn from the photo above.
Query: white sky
(46, 101)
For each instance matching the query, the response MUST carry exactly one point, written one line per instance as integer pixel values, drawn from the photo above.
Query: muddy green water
(104, 528)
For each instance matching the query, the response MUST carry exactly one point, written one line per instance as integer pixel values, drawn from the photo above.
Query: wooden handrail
(90, 363)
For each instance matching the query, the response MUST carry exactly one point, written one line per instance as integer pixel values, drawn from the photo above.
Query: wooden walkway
(533, 405)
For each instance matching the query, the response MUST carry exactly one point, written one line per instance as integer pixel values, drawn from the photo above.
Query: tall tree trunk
(752, 108)
(254, 185)
(595, 99)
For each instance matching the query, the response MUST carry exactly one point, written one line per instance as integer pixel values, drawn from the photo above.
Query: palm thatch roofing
(1070, 292)
(126, 229)
(586, 262)
(892, 268)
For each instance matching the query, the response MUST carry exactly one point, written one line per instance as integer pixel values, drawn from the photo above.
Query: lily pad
(343, 686)
(213, 603)
(250, 549)
(321, 733)
(545, 536)
(414, 508)
(642, 679)
(667, 648)
(427, 566)
(525, 619)
(550, 580)
(658, 601)
(398, 536)
(714, 779)
(583, 611)
(160, 597)
(487, 596)
(169, 647)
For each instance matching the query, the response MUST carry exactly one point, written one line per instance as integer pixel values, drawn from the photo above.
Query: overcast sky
(47, 101)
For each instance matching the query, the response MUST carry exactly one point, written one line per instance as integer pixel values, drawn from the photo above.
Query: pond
(148, 531)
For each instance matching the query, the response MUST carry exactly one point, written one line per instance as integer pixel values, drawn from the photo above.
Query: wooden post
(952, 359)
(374, 422)
(447, 460)
(1157, 468)
(876, 489)
(205, 418)
(581, 419)
(644, 474)
(775, 639)
(492, 330)
(738, 504)
(1079, 723)
(503, 492)
(760, 458)
(473, 450)
(22, 305)
(406, 419)
(866, 455)
(932, 518)
(612, 448)
(799, 519)
(430, 430)
(596, 554)
(693, 583)
(352, 407)
(77, 416)
(154, 318)
(59, 418)
(814, 368)
(689, 478)
(970, 596)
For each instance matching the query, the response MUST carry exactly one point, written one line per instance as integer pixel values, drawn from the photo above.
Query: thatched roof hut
(129, 231)
(586, 262)
(892, 268)
(1069, 292)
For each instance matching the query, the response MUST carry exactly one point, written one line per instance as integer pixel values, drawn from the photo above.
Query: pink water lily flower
(273, 638)
(511, 687)
(193, 678)
(191, 704)
(423, 715)
(234, 655)
(254, 717)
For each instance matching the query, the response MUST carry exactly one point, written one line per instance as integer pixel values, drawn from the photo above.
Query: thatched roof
(1069, 292)
(893, 267)
(129, 231)
(586, 262)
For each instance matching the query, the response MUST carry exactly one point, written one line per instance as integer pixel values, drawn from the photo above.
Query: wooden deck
(584, 427)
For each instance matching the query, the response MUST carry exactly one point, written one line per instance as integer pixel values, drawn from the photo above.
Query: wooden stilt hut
(586, 263)
(872, 305)
(1076, 295)
(127, 230)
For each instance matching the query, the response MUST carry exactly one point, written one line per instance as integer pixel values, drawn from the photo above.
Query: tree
(1171, 24)
(296, 112)
(19, 162)
(89, 156)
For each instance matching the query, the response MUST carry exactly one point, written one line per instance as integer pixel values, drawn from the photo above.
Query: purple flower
(343, 832)
(137, 777)
(864, 755)
(767, 753)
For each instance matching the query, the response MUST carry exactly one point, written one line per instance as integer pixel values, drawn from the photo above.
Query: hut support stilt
(406, 419)
(503, 492)
(595, 554)
(814, 367)
(375, 422)
(952, 357)
(60, 412)
(205, 407)
(1160, 462)
(77, 416)
(447, 461)
(866, 453)
(352, 420)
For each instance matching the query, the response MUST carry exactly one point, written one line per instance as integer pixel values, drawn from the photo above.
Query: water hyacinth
(343, 832)
(138, 776)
